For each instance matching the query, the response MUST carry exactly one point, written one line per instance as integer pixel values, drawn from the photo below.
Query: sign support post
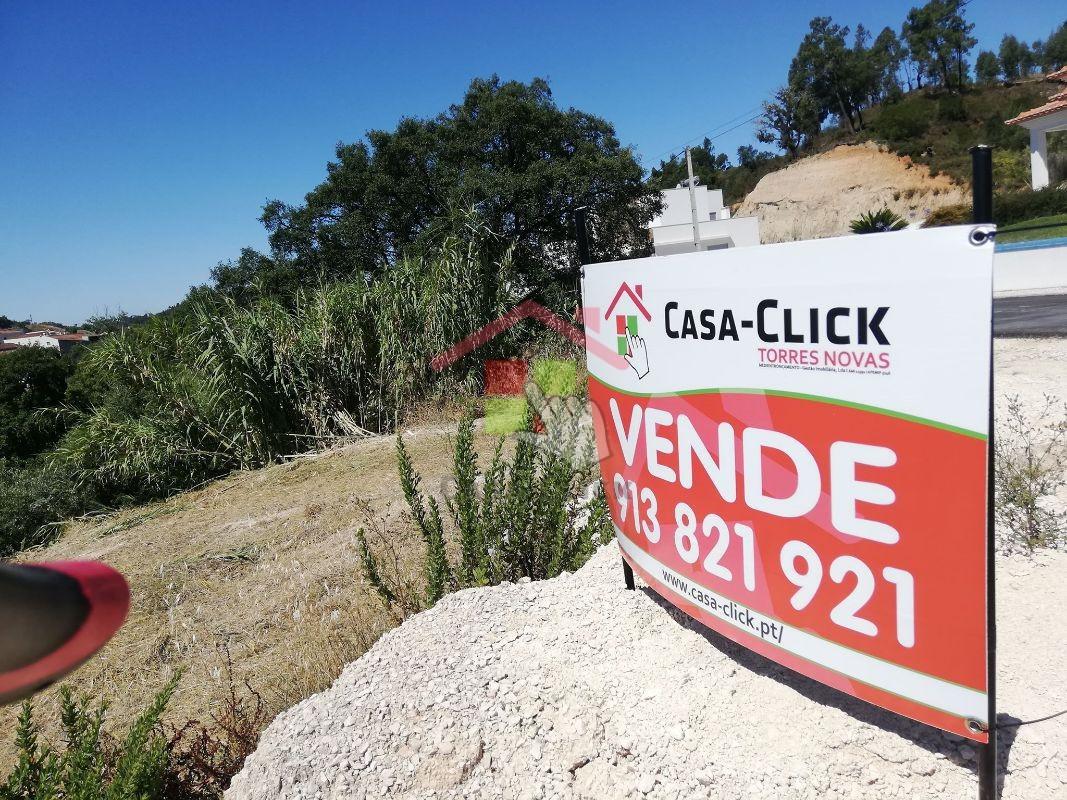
(982, 212)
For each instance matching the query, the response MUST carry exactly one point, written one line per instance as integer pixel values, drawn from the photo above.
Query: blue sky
(140, 139)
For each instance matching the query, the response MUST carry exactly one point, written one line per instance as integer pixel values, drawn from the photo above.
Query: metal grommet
(976, 726)
(980, 236)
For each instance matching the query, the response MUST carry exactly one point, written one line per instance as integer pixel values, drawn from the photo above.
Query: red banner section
(819, 534)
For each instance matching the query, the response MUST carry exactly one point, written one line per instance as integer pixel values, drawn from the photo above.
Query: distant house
(672, 230)
(10, 333)
(1041, 121)
(51, 337)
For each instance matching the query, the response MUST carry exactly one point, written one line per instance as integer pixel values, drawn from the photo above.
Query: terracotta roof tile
(1058, 75)
(1051, 107)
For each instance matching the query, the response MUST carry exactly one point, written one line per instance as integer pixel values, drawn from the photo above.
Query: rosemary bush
(90, 765)
(532, 515)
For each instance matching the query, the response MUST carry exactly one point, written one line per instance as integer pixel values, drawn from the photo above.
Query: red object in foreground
(61, 613)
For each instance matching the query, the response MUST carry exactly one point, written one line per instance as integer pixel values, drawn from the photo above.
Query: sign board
(793, 440)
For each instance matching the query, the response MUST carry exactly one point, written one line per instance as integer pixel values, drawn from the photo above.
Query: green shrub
(90, 765)
(32, 496)
(31, 378)
(1012, 207)
(959, 214)
(879, 221)
(1009, 208)
(528, 516)
(1011, 169)
(950, 108)
(901, 122)
(1031, 455)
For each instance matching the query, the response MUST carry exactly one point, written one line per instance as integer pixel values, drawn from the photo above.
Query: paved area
(1044, 315)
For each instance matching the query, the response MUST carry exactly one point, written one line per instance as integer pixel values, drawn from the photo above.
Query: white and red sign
(793, 439)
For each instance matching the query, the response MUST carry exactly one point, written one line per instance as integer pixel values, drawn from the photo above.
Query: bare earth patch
(820, 195)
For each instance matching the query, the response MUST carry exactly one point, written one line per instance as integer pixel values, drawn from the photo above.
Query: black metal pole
(981, 183)
(982, 188)
(987, 760)
(581, 233)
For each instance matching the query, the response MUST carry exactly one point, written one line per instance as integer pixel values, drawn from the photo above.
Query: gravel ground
(575, 687)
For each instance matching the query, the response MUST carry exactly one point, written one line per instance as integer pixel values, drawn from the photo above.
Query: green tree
(1011, 56)
(987, 67)
(32, 380)
(506, 148)
(887, 55)
(825, 69)
(1029, 58)
(1054, 53)
(708, 165)
(748, 157)
(790, 121)
(939, 38)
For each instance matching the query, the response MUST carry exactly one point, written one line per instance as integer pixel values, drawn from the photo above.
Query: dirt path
(818, 196)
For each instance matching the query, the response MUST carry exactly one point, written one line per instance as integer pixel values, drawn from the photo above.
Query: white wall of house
(1040, 128)
(672, 230)
(35, 341)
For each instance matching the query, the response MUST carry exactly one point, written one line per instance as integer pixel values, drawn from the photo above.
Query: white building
(1041, 121)
(672, 230)
(50, 338)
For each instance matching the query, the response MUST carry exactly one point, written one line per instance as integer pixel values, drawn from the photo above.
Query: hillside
(261, 569)
(819, 195)
(912, 157)
(577, 688)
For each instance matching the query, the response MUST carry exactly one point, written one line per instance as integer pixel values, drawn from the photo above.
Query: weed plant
(1031, 455)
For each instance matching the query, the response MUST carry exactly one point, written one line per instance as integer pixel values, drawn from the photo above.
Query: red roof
(1057, 103)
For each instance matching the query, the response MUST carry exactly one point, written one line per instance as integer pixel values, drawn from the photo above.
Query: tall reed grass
(235, 386)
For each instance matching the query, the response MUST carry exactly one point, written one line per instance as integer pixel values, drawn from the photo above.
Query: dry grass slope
(261, 564)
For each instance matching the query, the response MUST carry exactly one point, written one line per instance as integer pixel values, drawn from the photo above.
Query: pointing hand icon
(637, 355)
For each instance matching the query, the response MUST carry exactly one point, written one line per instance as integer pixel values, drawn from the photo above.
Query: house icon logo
(627, 305)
